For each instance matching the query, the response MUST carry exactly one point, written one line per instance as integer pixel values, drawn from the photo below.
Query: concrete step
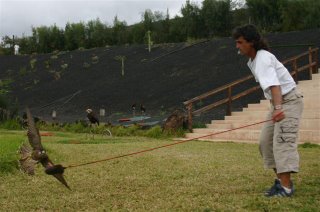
(313, 89)
(309, 104)
(311, 84)
(307, 114)
(257, 118)
(316, 74)
(306, 124)
(246, 122)
(254, 113)
(309, 92)
(248, 135)
(315, 78)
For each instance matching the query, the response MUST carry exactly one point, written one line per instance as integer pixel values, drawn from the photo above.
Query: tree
(300, 14)
(119, 32)
(97, 34)
(74, 36)
(147, 20)
(266, 13)
(216, 16)
(312, 19)
(191, 20)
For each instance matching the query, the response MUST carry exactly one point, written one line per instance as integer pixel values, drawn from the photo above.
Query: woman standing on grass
(278, 139)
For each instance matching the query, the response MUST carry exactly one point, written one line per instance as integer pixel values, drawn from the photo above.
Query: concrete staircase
(310, 123)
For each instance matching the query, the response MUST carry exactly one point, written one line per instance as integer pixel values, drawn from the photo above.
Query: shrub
(33, 63)
(54, 57)
(94, 59)
(64, 66)
(47, 64)
(75, 127)
(120, 131)
(86, 65)
(23, 71)
(80, 127)
(11, 124)
(5, 86)
(35, 81)
(154, 132)
(56, 75)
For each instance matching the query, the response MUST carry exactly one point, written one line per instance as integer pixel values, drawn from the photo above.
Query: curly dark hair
(250, 33)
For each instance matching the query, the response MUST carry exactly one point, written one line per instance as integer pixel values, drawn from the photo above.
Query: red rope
(167, 145)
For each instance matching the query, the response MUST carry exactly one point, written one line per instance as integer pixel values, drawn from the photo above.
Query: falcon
(40, 155)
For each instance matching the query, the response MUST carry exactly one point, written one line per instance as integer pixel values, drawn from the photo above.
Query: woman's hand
(278, 115)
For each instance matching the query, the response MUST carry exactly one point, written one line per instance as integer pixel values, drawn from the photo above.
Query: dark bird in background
(39, 153)
(133, 107)
(142, 109)
(92, 117)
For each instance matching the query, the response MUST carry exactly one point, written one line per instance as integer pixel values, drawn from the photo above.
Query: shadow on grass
(309, 145)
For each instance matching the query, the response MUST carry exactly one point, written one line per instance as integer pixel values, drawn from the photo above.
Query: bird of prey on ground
(39, 154)
(92, 117)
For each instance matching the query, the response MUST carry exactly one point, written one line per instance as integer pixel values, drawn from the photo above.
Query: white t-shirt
(268, 71)
(16, 47)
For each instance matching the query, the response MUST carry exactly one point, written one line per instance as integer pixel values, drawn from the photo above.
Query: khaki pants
(278, 141)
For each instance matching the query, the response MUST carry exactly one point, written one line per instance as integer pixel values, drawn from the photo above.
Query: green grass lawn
(194, 176)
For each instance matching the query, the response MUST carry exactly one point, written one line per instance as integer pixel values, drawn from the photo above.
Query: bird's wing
(27, 164)
(62, 180)
(55, 170)
(33, 133)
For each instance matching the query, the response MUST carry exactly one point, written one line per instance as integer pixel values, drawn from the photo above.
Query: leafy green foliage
(64, 66)
(94, 59)
(5, 86)
(211, 18)
(23, 71)
(33, 63)
(216, 17)
(47, 64)
(81, 127)
(11, 124)
(86, 65)
(54, 57)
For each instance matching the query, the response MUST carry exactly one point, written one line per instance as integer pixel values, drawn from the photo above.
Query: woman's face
(245, 47)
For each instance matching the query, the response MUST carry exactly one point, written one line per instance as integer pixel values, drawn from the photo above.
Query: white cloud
(17, 16)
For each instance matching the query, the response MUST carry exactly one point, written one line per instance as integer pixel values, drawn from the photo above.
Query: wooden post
(189, 108)
(311, 69)
(317, 61)
(229, 101)
(295, 70)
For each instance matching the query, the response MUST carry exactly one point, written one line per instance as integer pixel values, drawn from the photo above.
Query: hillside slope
(161, 80)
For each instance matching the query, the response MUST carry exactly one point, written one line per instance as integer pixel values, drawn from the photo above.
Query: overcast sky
(17, 16)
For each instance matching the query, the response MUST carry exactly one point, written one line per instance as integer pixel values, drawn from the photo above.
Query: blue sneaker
(279, 191)
(273, 188)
